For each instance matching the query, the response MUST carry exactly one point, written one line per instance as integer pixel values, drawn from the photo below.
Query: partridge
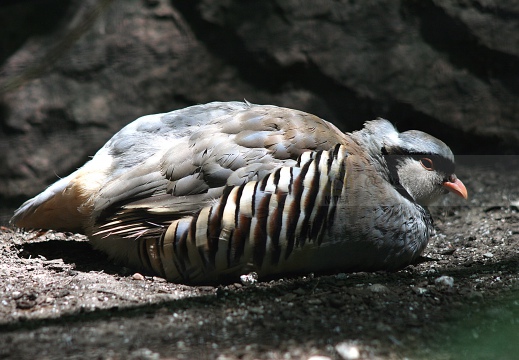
(210, 192)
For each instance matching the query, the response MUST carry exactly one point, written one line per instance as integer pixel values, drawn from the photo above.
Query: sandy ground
(59, 299)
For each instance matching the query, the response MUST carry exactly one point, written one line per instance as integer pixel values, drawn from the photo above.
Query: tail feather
(59, 207)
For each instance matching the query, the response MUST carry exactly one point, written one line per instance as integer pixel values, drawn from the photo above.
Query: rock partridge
(210, 192)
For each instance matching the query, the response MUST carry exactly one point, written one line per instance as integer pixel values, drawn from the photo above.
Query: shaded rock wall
(447, 67)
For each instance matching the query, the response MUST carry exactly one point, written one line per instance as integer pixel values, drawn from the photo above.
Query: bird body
(210, 192)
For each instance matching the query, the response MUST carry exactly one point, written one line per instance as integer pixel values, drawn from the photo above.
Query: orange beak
(455, 186)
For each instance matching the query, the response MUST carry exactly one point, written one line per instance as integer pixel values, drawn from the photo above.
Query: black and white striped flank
(253, 227)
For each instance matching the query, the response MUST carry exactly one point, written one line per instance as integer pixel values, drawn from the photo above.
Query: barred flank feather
(253, 227)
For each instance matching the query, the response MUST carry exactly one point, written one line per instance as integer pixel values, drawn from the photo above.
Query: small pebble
(249, 279)
(419, 290)
(137, 276)
(444, 280)
(319, 357)
(378, 288)
(488, 255)
(25, 304)
(205, 288)
(347, 351)
(225, 357)
(256, 309)
(144, 353)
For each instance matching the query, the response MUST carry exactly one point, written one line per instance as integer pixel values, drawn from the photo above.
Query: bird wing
(243, 143)
(177, 162)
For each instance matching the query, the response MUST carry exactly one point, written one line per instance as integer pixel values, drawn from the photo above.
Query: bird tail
(59, 207)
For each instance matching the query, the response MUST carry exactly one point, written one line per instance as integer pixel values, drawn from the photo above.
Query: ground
(59, 299)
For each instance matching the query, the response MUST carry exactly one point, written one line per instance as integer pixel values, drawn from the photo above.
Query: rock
(66, 87)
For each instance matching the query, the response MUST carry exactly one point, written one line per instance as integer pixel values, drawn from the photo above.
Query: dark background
(74, 72)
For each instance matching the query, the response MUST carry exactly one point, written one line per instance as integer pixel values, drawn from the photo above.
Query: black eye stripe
(439, 163)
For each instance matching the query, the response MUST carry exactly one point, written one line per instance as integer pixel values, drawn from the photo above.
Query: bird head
(419, 165)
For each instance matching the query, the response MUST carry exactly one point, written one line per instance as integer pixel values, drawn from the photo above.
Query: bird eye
(427, 164)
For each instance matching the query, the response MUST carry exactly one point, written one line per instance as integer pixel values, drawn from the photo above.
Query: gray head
(419, 165)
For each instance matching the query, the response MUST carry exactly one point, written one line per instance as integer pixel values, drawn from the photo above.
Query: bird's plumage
(214, 191)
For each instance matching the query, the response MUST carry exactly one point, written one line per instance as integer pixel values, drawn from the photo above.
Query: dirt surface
(59, 299)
